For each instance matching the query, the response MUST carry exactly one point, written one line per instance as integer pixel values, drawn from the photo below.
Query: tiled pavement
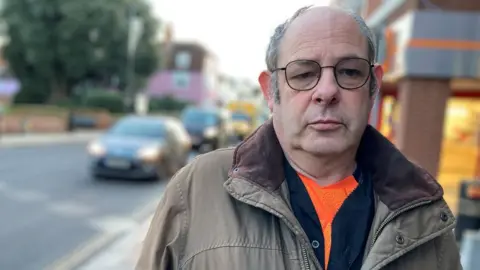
(123, 254)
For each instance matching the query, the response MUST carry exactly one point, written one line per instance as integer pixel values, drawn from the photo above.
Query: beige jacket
(229, 210)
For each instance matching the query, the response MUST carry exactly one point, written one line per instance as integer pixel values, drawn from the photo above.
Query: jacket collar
(396, 181)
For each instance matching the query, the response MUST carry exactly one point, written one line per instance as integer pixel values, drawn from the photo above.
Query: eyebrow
(350, 55)
(336, 59)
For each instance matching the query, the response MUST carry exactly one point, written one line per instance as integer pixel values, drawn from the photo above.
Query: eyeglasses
(350, 73)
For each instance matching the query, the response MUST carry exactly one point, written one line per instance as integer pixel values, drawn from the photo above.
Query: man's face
(327, 119)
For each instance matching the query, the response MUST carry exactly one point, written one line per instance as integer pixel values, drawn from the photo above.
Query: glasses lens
(302, 74)
(352, 73)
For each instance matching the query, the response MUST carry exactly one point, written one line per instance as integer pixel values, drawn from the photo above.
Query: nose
(326, 92)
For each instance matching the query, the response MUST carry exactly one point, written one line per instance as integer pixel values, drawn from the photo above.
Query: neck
(324, 170)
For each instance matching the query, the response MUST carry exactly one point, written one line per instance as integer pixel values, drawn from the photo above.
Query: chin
(324, 146)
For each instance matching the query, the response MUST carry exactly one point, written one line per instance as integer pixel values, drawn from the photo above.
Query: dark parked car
(140, 147)
(207, 127)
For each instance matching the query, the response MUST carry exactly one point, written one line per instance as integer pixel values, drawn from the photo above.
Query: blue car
(139, 147)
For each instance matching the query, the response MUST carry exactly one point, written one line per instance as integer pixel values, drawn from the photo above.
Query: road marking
(123, 255)
(86, 251)
(83, 253)
(113, 225)
(70, 209)
(27, 196)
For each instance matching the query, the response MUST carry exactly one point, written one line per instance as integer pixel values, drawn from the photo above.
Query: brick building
(430, 50)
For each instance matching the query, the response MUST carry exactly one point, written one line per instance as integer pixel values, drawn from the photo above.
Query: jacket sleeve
(162, 247)
(448, 253)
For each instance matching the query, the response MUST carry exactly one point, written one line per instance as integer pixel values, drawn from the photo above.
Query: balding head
(310, 16)
(320, 81)
(322, 26)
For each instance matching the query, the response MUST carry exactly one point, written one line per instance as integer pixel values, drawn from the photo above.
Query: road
(49, 205)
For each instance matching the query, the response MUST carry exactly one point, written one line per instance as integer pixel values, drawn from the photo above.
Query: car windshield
(139, 128)
(200, 117)
(241, 117)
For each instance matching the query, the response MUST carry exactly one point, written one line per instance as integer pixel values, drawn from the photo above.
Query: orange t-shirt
(327, 200)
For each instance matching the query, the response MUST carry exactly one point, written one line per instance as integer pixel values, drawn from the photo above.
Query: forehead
(325, 35)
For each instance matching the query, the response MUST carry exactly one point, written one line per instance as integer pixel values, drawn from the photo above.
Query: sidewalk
(123, 254)
(31, 139)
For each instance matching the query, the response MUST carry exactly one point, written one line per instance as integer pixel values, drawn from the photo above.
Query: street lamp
(135, 30)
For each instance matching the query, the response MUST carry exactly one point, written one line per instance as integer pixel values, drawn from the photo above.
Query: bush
(166, 104)
(39, 110)
(110, 101)
(32, 92)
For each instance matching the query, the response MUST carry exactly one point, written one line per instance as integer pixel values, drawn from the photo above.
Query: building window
(181, 80)
(183, 60)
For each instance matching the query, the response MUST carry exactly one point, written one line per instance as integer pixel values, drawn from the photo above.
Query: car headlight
(149, 153)
(96, 149)
(210, 132)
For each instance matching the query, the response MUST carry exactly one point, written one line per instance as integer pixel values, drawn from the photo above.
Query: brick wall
(35, 124)
(4, 100)
(48, 124)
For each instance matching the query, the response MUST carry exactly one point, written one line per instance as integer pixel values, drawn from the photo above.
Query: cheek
(290, 112)
(295, 106)
(357, 106)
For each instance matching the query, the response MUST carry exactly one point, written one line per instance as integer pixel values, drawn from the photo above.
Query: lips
(326, 124)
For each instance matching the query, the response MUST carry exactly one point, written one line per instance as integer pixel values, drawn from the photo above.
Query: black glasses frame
(321, 71)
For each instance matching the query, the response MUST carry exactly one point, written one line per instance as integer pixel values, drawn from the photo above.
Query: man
(314, 187)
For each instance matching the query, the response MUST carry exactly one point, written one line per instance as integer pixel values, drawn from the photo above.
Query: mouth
(326, 125)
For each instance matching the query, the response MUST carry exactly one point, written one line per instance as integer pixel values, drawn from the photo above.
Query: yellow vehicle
(243, 118)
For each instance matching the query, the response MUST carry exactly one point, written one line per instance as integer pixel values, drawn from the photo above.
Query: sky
(237, 32)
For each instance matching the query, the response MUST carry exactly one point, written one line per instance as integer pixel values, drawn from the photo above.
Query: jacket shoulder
(218, 160)
(204, 170)
(195, 188)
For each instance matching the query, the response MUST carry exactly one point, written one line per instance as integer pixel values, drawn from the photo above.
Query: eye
(305, 75)
(350, 72)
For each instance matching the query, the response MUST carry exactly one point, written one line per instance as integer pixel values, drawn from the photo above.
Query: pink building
(189, 74)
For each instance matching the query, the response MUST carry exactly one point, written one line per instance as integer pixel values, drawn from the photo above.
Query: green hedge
(166, 104)
(34, 109)
(110, 101)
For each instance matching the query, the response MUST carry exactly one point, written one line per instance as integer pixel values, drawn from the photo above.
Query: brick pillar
(419, 132)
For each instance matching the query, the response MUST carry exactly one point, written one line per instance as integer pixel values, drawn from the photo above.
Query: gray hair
(276, 39)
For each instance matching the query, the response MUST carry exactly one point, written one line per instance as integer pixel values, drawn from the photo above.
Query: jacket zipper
(298, 234)
(305, 257)
(393, 216)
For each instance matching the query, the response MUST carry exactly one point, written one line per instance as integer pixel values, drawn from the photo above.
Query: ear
(378, 73)
(265, 85)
